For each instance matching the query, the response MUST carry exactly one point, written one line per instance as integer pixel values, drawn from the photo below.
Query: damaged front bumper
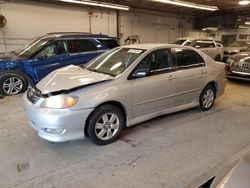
(56, 125)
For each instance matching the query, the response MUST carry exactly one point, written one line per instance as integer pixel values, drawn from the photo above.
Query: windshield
(238, 44)
(31, 47)
(114, 62)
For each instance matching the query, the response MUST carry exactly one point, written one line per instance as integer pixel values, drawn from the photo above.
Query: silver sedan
(121, 88)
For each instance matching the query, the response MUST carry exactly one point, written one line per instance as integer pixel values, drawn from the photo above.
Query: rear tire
(105, 124)
(12, 84)
(207, 98)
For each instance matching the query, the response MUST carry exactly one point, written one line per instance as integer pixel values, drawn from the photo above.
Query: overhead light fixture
(244, 2)
(97, 4)
(188, 4)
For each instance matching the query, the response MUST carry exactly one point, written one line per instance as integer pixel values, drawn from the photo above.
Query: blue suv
(42, 55)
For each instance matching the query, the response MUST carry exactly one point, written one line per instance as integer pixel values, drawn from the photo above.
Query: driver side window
(157, 62)
(55, 48)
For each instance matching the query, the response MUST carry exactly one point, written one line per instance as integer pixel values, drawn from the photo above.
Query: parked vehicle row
(120, 88)
(42, 55)
(238, 66)
(210, 47)
(234, 48)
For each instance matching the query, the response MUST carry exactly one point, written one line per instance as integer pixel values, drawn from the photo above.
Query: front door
(54, 56)
(156, 91)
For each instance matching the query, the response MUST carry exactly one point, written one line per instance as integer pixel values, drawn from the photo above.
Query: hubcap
(12, 85)
(107, 126)
(208, 98)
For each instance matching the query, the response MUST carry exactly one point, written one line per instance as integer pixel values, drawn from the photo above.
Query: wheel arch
(18, 73)
(214, 84)
(112, 102)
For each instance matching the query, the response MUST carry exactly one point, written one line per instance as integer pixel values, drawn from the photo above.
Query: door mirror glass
(141, 73)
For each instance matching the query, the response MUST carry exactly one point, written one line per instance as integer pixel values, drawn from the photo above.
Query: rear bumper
(56, 125)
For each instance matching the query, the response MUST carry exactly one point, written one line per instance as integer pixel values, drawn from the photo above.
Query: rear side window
(110, 43)
(204, 44)
(82, 45)
(188, 59)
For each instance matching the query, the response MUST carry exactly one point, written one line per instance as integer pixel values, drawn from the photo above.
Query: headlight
(59, 102)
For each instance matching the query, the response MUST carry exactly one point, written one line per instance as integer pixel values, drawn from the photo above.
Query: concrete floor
(177, 150)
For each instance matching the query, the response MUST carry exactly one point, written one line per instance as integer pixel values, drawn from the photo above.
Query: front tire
(207, 98)
(105, 124)
(12, 84)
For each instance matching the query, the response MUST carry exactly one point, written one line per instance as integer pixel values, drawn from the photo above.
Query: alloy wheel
(208, 98)
(12, 85)
(107, 126)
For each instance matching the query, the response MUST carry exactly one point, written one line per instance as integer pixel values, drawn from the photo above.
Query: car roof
(148, 46)
(77, 35)
(190, 38)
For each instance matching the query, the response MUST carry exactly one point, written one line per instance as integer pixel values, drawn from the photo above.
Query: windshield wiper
(95, 70)
(82, 66)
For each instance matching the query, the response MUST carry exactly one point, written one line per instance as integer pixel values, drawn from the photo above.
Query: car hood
(70, 78)
(239, 56)
(238, 176)
(237, 49)
(7, 56)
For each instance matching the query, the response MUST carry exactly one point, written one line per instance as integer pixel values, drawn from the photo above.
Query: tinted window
(188, 58)
(156, 61)
(110, 43)
(55, 48)
(82, 45)
(204, 44)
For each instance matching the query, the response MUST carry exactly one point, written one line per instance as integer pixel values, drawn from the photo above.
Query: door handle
(171, 78)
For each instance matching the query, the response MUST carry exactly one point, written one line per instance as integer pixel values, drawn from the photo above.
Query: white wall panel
(151, 28)
(30, 19)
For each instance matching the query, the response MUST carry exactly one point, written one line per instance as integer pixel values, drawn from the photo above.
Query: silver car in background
(121, 88)
(210, 47)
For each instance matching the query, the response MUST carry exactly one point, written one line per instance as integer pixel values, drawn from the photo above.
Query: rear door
(156, 91)
(190, 75)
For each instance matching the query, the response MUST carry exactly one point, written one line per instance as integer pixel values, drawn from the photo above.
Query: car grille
(33, 94)
(241, 67)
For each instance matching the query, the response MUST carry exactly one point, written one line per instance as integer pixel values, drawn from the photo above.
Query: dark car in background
(234, 48)
(39, 57)
(238, 66)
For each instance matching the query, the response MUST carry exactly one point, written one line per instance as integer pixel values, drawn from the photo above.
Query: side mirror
(141, 73)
